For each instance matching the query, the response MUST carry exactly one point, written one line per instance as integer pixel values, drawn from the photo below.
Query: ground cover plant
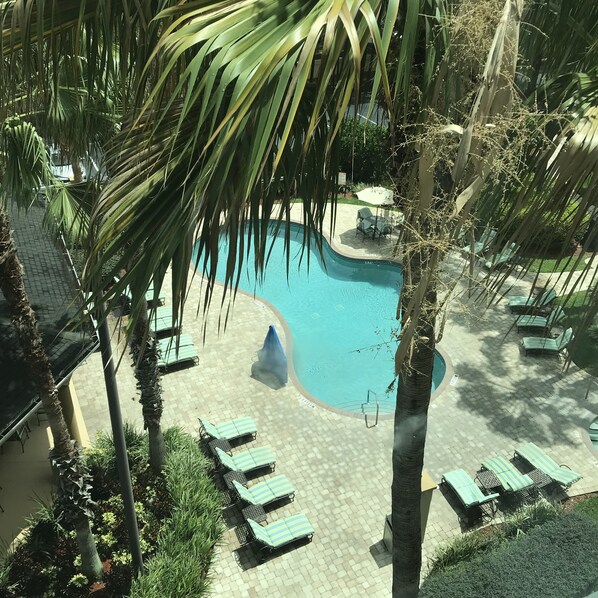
(177, 511)
(554, 559)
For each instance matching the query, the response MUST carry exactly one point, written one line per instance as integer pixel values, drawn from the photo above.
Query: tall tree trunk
(145, 361)
(410, 427)
(73, 497)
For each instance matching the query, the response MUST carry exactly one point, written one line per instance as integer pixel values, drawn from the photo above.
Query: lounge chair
(536, 344)
(161, 321)
(503, 257)
(538, 459)
(266, 492)
(510, 479)
(541, 323)
(467, 491)
(483, 244)
(170, 356)
(249, 460)
(149, 296)
(280, 533)
(235, 428)
(529, 305)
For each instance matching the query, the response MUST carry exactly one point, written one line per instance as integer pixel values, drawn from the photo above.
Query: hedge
(556, 560)
(554, 232)
(186, 543)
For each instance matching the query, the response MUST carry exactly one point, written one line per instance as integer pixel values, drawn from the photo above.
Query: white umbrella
(376, 196)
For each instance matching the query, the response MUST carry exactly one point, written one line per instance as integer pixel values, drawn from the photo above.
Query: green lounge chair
(280, 533)
(538, 459)
(249, 460)
(535, 344)
(170, 356)
(266, 492)
(510, 479)
(541, 323)
(161, 321)
(149, 296)
(236, 428)
(530, 305)
(502, 258)
(467, 491)
(483, 244)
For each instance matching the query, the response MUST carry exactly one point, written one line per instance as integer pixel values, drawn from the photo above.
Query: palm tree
(240, 100)
(22, 146)
(144, 351)
(80, 118)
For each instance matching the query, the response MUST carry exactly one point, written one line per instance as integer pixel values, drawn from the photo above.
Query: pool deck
(341, 470)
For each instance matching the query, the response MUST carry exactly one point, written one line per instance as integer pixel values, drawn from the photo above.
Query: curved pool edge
(448, 373)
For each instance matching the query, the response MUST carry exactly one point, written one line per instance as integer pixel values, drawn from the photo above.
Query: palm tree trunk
(73, 494)
(410, 427)
(145, 358)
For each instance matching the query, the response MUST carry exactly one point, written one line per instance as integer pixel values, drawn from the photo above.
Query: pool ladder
(364, 408)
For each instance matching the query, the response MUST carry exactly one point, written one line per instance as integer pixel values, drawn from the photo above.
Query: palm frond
(248, 122)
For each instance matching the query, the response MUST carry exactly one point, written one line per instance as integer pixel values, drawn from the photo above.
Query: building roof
(52, 288)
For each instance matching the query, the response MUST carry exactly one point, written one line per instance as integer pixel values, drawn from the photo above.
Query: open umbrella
(376, 196)
(379, 197)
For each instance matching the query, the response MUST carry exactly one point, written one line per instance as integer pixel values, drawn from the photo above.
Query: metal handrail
(371, 392)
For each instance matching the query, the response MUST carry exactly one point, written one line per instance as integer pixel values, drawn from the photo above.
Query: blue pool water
(341, 317)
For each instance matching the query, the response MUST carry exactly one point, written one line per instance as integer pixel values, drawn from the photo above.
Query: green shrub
(468, 546)
(101, 457)
(186, 543)
(588, 507)
(365, 151)
(461, 549)
(529, 517)
(556, 560)
(551, 238)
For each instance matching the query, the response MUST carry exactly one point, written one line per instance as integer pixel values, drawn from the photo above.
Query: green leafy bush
(178, 512)
(470, 545)
(529, 517)
(551, 238)
(461, 549)
(556, 560)
(365, 151)
(186, 544)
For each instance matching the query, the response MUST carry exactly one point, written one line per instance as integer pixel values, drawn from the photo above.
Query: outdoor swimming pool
(341, 318)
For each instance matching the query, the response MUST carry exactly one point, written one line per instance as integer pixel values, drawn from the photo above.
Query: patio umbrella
(376, 196)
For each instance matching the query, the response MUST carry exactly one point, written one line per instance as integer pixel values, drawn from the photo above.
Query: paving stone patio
(341, 469)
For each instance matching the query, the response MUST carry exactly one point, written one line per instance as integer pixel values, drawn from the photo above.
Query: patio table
(255, 512)
(488, 480)
(220, 443)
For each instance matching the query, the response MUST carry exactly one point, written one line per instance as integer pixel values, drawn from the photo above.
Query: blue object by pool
(341, 314)
(271, 367)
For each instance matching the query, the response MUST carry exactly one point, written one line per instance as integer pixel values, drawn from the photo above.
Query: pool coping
(448, 372)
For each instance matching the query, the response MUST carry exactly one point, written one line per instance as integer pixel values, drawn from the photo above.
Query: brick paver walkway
(341, 469)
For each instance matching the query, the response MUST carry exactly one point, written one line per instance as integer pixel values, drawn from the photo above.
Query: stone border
(448, 372)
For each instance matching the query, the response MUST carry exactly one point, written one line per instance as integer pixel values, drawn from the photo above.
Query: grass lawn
(352, 201)
(584, 349)
(589, 507)
(552, 265)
